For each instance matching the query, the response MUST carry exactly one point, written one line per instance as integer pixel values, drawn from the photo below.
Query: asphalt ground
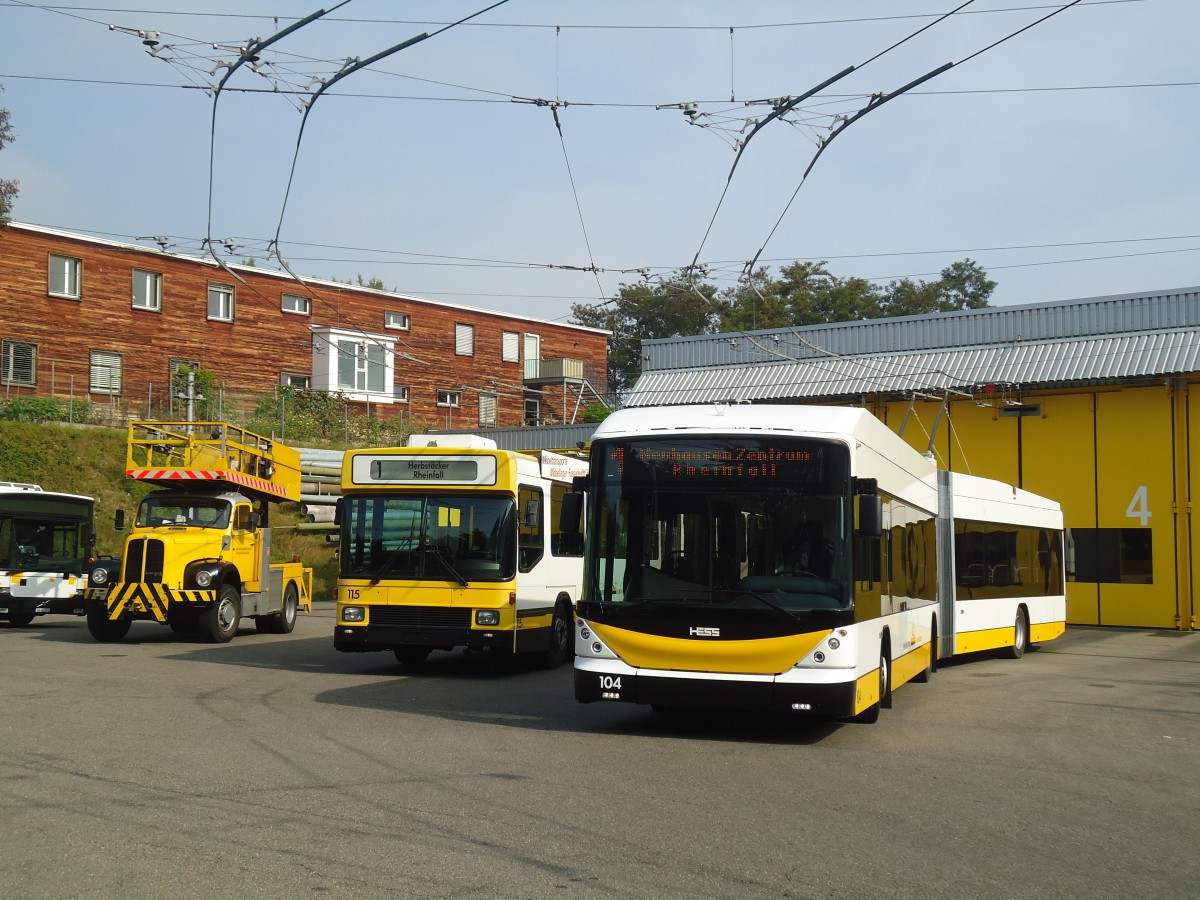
(274, 766)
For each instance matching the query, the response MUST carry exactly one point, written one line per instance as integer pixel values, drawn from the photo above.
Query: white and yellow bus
(802, 559)
(456, 546)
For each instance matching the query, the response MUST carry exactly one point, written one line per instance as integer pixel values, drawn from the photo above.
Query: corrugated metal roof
(1086, 360)
(1097, 317)
(542, 437)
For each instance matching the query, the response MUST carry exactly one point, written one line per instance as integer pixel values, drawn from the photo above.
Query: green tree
(8, 187)
(965, 285)
(674, 306)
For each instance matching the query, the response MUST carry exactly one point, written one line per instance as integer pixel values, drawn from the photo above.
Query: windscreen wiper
(441, 557)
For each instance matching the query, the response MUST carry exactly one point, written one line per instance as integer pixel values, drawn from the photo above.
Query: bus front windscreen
(40, 533)
(463, 538)
(700, 520)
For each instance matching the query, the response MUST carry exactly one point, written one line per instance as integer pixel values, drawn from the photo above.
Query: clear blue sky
(1062, 160)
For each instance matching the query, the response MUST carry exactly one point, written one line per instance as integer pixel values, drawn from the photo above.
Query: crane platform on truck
(198, 556)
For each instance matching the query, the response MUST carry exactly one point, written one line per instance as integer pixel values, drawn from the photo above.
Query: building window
(220, 302)
(532, 412)
(19, 363)
(294, 304)
(487, 410)
(1111, 555)
(105, 375)
(396, 320)
(65, 276)
(400, 393)
(449, 398)
(362, 366)
(293, 380)
(147, 290)
(510, 346)
(464, 340)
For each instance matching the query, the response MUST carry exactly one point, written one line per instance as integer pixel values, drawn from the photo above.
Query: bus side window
(530, 531)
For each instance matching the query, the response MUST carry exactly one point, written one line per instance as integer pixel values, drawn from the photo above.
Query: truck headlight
(203, 578)
(488, 617)
(354, 614)
(99, 575)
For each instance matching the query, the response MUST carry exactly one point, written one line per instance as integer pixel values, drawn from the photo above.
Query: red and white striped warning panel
(250, 481)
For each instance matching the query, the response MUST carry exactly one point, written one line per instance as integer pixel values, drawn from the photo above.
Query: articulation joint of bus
(198, 554)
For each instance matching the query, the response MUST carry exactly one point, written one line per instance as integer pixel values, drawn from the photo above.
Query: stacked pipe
(320, 485)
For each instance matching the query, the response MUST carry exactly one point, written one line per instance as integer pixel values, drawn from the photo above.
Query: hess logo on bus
(703, 631)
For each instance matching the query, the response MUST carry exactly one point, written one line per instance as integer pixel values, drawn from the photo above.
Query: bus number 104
(609, 683)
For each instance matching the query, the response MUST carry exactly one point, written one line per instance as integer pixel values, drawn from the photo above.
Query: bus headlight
(354, 613)
(487, 617)
(819, 656)
(833, 643)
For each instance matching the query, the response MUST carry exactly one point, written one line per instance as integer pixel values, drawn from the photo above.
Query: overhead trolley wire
(877, 100)
(783, 107)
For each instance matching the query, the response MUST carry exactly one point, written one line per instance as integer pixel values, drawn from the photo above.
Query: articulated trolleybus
(792, 558)
(45, 547)
(456, 546)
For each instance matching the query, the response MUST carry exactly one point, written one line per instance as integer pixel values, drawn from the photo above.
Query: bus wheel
(411, 654)
(1020, 636)
(559, 650)
(219, 622)
(283, 621)
(930, 667)
(104, 629)
(20, 620)
(870, 715)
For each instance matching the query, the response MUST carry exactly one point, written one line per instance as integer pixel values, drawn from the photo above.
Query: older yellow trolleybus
(456, 546)
(801, 559)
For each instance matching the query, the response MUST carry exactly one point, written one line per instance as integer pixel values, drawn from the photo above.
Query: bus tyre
(870, 715)
(931, 666)
(104, 629)
(1020, 636)
(219, 622)
(411, 654)
(283, 621)
(560, 647)
(20, 620)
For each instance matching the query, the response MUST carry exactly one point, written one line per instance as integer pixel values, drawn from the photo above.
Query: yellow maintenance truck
(198, 556)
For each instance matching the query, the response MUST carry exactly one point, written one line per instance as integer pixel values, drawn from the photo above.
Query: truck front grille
(144, 562)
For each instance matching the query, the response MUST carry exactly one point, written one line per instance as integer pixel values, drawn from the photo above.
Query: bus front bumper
(597, 680)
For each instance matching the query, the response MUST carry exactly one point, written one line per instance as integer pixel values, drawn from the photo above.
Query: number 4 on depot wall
(1139, 506)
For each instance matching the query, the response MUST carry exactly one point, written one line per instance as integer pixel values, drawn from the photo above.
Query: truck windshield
(195, 512)
(758, 521)
(462, 538)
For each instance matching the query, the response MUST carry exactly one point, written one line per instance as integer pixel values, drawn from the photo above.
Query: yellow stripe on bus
(1047, 631)
(766, 656)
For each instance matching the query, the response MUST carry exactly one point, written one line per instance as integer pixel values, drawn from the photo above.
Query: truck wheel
(283, 621)
(184, 621)
(220, 621)
(411, 654)
(560, 647)
(104, 629)
(20, 620)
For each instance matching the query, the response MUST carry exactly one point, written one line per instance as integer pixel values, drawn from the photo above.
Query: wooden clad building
(107, 321)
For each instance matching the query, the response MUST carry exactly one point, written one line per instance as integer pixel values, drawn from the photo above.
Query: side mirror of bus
(119, 520)
(870, 516)
(579, 484)
(572, 510)
(532, 514)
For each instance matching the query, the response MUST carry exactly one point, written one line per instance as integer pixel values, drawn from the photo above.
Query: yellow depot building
(1093, 402)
